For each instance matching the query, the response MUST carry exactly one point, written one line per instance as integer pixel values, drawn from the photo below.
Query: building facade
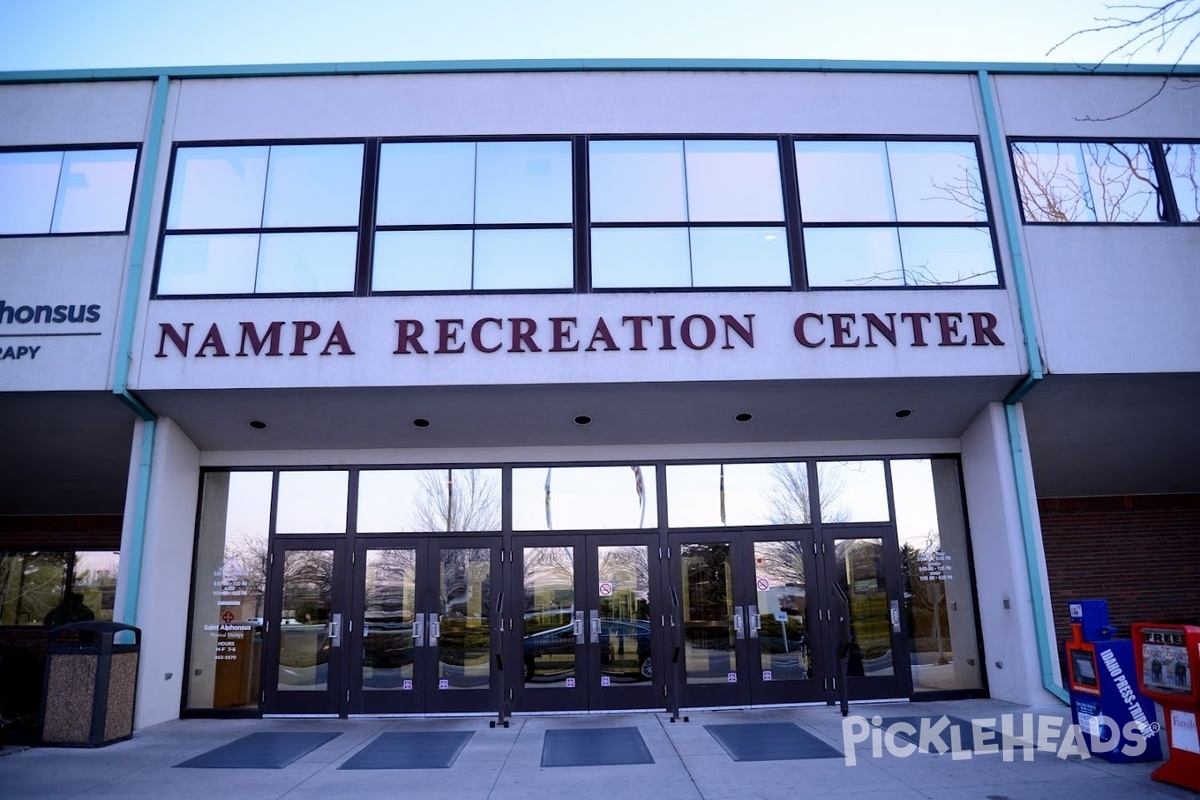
(571, 387)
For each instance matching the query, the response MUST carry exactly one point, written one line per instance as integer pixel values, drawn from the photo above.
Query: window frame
(782, 145)
(136, 147)
(1165, 189)
(69, 577)
(988, 222)
(581, 225)
(367, 272)
(1172, 199)
(164, 232)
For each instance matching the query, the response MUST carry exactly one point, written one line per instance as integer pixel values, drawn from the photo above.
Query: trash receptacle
(90, 684)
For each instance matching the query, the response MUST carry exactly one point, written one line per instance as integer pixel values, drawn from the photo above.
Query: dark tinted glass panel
(32, 586)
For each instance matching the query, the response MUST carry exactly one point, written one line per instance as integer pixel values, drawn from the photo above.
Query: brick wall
(1141, 553)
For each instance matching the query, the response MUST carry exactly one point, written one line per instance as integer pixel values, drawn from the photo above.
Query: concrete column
(1006, 609)
(166, 573)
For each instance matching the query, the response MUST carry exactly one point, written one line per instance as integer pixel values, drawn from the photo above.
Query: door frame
(588, 692)
(331, 701)
(425, 695)
(862, 687)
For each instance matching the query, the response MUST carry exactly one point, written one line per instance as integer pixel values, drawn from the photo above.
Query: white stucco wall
(1116, 299)
(86, 112)
(564, 103)
(1001, 575)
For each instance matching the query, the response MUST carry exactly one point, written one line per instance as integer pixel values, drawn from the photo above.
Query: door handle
(595, 627)
(895, 616)
(435, 629)
(578, 627)
(739, 630)
(334, 630)
(755, 624)
(418, 630)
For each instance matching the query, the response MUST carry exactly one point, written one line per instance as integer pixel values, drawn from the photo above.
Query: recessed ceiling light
(744, 417)
(904, 412)
(420, 422)
(257, 424)
(583, 419)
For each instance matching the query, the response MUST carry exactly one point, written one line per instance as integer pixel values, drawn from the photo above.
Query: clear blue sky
(70, 34)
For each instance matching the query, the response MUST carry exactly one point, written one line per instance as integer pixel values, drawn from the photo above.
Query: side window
(687, 214)
(66, 191)
(55, 587)
(1087, 182)
(1182, 159)
(879, 214)
(474, 216)
(262, 219)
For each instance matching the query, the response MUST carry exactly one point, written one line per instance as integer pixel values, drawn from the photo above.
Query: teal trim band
(1032, 561)
(998, 156)
(139, 236)
(998, 150)
(593, 65)
(137, 541)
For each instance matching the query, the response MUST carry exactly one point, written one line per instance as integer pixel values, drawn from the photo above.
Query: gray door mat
(587, 747)
(770, 741)
(430, 750)
(263, 750)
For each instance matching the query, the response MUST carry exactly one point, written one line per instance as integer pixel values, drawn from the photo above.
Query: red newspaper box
(1168, 658)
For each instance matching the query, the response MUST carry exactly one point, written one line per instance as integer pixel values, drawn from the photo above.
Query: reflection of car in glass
(628, 637)
(387, 643)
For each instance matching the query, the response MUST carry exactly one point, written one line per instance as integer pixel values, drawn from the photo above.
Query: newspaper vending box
(1168, 656)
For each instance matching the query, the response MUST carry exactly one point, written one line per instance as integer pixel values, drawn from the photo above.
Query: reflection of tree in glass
(390, 582)
(1088, 182)
(30, 585)
(549, 579)
(245, 563)
(782, 563)
(308, 585)
(1181, 158)
(924, 593)
(628, 569)
(922, 275)
(964, 189)
(786, 493)
(457, 500)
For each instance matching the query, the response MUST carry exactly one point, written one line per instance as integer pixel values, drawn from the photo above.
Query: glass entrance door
(304, 632)
(583, 629)
(757, 616)
(423, 633)
(865, 564)
(748, 618)
(408, 627)
(784, 618)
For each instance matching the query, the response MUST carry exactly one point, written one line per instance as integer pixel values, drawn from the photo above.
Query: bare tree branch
(1144, 26)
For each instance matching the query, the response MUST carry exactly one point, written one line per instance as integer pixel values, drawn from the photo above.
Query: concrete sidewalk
(505, 763)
